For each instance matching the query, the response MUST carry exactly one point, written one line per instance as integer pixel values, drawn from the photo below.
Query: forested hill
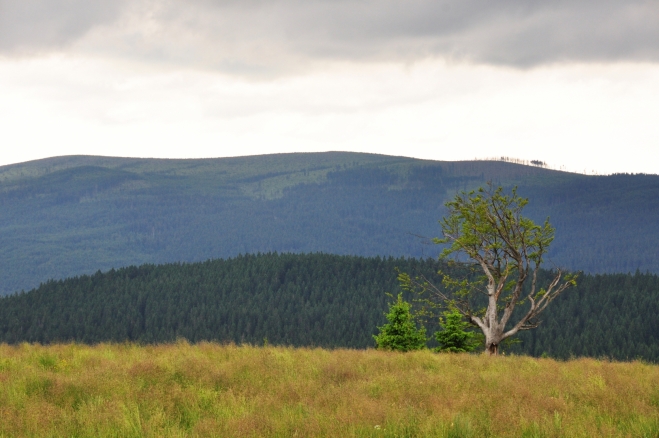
(307, 300)
(68, 216)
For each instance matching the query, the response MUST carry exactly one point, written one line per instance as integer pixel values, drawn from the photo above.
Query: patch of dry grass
(226, 390)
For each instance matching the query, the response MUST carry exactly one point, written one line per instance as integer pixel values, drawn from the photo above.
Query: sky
(574, 83)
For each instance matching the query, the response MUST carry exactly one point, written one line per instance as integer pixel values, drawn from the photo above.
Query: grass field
(227, 390)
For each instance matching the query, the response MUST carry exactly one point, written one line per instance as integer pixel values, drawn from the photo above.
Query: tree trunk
(493, 349)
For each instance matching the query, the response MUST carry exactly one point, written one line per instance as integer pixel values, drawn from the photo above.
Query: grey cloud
(504, 32)
(281, 35)
(28, 26)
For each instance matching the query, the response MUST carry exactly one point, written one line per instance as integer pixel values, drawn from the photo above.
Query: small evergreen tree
(401, 333)
(455, 338)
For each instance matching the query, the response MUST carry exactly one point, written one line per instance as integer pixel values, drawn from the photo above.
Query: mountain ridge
(73, 215)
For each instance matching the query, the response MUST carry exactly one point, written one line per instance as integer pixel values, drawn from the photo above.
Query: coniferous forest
(308, 300)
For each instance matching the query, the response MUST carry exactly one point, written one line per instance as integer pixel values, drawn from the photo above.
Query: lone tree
(400, 334)
(485, 232)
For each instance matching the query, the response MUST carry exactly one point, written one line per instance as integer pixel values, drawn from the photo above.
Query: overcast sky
(573, 83)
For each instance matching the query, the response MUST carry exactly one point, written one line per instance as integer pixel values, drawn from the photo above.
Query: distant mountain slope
(67, 216)
(603, 223)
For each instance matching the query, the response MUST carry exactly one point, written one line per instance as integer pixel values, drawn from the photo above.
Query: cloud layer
(266, 36)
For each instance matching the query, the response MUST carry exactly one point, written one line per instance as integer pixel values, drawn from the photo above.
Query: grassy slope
(214, 390)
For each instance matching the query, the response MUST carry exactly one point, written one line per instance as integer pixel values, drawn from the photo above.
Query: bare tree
(485, 231)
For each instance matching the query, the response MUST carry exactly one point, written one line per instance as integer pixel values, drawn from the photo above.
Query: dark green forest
(308, 300)
(68, 216)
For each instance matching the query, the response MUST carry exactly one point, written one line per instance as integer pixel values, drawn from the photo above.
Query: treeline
(307, 300)
(323, 300)
(612, 315)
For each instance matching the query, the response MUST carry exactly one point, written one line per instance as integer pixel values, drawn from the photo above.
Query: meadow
(208, 389)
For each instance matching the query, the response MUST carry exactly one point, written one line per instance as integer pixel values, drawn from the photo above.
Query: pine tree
(455, 338)
(401, 333)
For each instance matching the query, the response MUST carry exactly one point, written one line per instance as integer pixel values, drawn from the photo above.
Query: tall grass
(226, 390)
